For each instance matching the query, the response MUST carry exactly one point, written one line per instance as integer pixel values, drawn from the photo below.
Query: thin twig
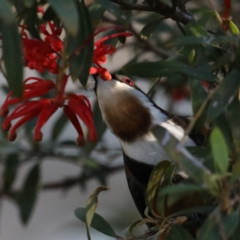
(195, 118)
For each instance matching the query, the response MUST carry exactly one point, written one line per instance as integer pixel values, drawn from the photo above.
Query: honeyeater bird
(130, 114)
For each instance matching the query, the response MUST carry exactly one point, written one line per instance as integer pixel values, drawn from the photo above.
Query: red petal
(46, 113)
(12, 134)
(74, 120)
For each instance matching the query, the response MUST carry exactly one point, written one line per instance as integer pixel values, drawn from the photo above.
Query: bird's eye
(128, 81)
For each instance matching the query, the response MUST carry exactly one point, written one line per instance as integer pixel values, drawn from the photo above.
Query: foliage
(192, 54)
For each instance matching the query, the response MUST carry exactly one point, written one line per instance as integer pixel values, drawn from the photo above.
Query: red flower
(43, 54)
(73, 105)
(101, 49)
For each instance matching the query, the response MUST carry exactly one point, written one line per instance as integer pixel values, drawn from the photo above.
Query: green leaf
(198, 95)
(168, 68)
(67, 12)
(178, 233)
(197, 30)
(181, 188)
(233, 28)
(224, 95)
(80, 47)
(149, 28)
(112, 8)
(58, 126)
(191, 56)
(154, 181)
(12, 49)
(188, 211)
(211, 228)
(97, 223)
(96, 12)
(11, 165)
(28, 195)
(219, 150)
(92, 206)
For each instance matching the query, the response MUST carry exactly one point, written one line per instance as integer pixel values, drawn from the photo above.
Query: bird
(130, 115)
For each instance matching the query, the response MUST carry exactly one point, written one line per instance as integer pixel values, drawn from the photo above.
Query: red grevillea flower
(74, 106)
(101, 50)
(43, 54)
(226, 14)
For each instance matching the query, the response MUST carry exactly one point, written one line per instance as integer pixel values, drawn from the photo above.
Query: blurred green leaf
(192, 40)
(67, 12)
(233, 28)
(96, 12)
(197, 30)
(92, 206)
(198, 95)
(168, 68)
(112, 8)
(29, 3)
(191, 56)
(212, 229)
(149, 28)
(97, 223)
(28, 195)
(181, 188)
(224, 95)
(80, 47)
(58, 126)
(219, 150)
(178, 233)
(154, 181)
(12, 48)
(11, 165)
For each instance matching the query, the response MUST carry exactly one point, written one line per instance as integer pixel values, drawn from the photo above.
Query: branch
(68, 182)
(178, 14)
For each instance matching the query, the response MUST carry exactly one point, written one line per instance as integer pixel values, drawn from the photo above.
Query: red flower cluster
(44, 54)
(73, 105)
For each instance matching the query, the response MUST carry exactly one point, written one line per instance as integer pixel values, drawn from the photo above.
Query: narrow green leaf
(92, 204)
(97, 223)
(80, 50)
(12, 50)
(28, 195)
(198, 95)
(178, 233)
(168, 68)
(191, 56)
(224, 95)
(149, 28)
(11, 165)
(154, 181)
(67, 12)
(197, 30)
(58, 126)
(219, 150)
